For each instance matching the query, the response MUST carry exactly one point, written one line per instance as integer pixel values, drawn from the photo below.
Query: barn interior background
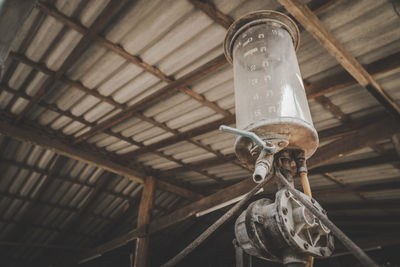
(100, 99)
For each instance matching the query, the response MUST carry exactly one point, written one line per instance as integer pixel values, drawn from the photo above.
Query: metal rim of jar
(255, 18)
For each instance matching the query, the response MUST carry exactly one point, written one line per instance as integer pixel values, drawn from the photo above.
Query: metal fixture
(270, 99)
(275, 133)
(13, 13)
(283, 231)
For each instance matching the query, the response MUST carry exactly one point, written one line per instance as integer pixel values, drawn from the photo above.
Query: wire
(347, 242)
(175, 260)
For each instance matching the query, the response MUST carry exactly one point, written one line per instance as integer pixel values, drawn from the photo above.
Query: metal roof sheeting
(177, 38)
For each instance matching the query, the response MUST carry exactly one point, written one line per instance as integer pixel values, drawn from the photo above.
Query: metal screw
(284, 211)
(322, 251)
(292, 232)
(287, 194)
(305, 245)
(260, 219)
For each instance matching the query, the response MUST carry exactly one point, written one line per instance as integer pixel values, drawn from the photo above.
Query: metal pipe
(346, 241)
(200, 239)
(307, 191)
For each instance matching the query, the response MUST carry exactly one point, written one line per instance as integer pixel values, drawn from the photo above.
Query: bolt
(312, 201)
(284, 211)
(260, 219)
(305, 245)
(292, 232)
(287, 194)
(322, 251)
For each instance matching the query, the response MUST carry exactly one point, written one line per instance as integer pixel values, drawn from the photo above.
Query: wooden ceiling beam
(108, 12)
(212, 126)
(111, 133)
(155, 97)
(32, 202)
(213, 12)
(315, 27)
(370, 134)
(343, 80)
(52, 11)
(227, 194)
(355, 164)
(220, 61)
(366, 136)
(41, 138)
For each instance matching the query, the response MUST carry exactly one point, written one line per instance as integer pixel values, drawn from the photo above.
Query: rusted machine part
(321, 215)
(282, 231)
(232, 211)
(259, 17)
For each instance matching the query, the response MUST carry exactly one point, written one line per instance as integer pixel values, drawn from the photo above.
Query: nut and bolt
(284, 211)
(260, 219)
(306, 245)
(322, 251)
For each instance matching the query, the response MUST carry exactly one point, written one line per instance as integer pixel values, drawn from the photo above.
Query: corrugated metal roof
(177, 38)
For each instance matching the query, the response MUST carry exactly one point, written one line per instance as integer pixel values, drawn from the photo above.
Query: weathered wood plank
(315, 27)
(144, 217)
(40, 138)
(366, 136)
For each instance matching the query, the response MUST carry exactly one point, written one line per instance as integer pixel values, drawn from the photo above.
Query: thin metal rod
(307, 191)
(347, 242)
(175, 260)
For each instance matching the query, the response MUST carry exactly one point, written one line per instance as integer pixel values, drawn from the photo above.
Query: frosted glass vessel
(269, 93)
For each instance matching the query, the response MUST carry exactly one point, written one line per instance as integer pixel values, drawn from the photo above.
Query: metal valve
(267, 149)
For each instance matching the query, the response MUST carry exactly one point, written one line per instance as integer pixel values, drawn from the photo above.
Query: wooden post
(145, 209)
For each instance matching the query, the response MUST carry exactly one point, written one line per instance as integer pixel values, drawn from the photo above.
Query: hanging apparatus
(270, 99)
(275, 136)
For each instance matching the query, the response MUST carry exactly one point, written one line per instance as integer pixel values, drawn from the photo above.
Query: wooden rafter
(343, 80)
(36, 137)
(32, 202)
(364, 137)
(129, 112)
(315, 27)
(129, 140)
(109, 11)
(52, 11)
(139, 62)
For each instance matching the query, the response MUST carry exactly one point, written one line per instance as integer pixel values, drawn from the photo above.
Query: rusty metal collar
(255, 18)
